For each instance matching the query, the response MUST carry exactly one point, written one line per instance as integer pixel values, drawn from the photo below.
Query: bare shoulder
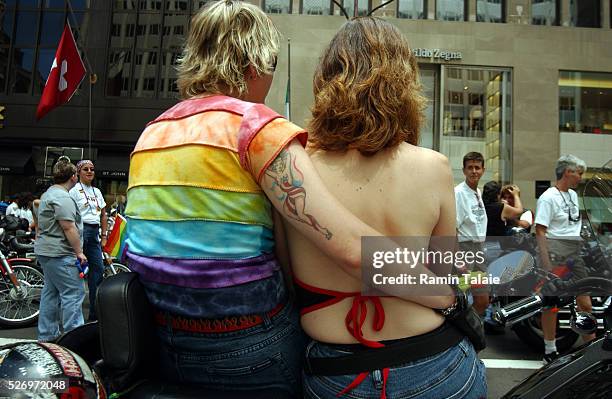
(429, 161)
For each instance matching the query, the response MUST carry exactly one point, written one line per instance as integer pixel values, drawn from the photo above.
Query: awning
(112, 165)
(13, 160)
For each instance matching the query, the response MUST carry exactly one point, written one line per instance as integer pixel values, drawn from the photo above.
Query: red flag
(66, 74)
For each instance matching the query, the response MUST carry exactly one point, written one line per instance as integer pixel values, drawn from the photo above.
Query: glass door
(429, 78)
(476, 115)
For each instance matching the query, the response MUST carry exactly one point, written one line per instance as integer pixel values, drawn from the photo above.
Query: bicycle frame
(7, 271)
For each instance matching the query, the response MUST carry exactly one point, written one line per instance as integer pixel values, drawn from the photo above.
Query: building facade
(521, 81)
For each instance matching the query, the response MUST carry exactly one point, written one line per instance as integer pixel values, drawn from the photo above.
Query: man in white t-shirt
(558, 226)
(20, 208)
(92, 206)
(472, 220)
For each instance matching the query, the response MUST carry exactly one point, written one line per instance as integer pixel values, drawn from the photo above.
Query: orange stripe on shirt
(214, 128)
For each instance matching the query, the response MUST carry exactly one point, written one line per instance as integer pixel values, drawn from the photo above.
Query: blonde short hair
(225, 38)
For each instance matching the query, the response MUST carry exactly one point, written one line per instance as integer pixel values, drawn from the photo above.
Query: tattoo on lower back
(286, 182)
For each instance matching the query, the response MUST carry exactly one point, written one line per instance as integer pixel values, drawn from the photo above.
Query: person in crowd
(58, 247)
(471, 223)
(526, 219)
(558, 226)
(500, 212)
(21, 208)
(13, 205)
(498, 215)
(92, 206)
(205, 177)
(364, 132)
(4, 204)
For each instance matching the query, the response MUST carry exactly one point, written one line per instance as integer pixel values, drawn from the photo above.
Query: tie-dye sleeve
(263, 135)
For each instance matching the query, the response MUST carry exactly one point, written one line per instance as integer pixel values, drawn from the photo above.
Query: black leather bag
(470, 323)
(13, 223)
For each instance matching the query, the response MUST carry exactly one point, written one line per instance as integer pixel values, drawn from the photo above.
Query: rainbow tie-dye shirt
(200, 230)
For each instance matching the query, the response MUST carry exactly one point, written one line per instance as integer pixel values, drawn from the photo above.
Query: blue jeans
(266, 356)
(452, 374)
(93, 252)
(63, 290)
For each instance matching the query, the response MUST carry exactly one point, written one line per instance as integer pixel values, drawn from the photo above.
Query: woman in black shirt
(499, 212)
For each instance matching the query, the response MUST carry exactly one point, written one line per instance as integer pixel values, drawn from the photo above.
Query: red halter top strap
(354, 320)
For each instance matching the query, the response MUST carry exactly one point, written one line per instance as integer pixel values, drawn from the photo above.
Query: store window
(585, 102)
(476, 116)
(21, 70)
(451, 10)
(411, 9)
(545, 12)
(118, 73)
(153, 40)
(429, 80)
(167, 81)
(277, 6)
(125, 5)
(315, 7)
(585, 13)
(491, 11)
(363, 7)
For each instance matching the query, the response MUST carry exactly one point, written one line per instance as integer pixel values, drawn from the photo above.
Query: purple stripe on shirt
(203, 273)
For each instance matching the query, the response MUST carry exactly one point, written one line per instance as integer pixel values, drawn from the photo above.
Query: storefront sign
(436, 53)
(113, 173)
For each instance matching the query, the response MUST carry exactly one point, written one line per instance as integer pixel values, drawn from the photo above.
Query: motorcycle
(585, 372)
(21, 285)
(529, 329)
(596, 254)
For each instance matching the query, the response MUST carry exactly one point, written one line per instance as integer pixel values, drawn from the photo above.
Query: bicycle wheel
(118, 268)
(20, 308)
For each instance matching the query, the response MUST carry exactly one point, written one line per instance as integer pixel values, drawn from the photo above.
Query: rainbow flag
(116, 240)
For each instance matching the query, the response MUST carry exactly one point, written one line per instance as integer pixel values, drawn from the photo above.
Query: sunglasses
(570, 217)
(478, 200)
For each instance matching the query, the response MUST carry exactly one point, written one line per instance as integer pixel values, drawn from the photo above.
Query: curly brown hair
(367, 91)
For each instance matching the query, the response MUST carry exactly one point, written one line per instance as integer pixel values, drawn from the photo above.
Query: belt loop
(378, 380)
(307, 366)
(267, 321)
(168, 318)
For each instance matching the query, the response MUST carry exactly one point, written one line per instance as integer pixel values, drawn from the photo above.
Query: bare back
(403, 191)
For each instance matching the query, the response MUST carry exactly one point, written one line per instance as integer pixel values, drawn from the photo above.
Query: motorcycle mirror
(583, 323)
(511, 266)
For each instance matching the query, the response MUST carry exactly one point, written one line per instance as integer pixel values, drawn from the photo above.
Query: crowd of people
(231, 208)
(497, 211)
(69, 220)
(20, 206)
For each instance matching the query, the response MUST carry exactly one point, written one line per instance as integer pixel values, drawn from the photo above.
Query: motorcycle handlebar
(527, 307)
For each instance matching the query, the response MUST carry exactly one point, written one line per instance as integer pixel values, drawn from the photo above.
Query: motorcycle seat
(19, 247)
(127, 334)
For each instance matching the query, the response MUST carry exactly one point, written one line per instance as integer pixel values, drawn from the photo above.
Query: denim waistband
(394, 353)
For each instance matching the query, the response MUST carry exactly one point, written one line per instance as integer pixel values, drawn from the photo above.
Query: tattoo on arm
(287, 182)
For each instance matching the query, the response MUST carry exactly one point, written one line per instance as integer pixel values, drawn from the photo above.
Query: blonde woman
(364, 133)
